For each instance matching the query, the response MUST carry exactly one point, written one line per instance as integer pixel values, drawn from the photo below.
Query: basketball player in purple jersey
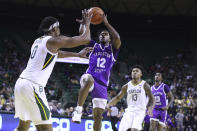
(96, 78)
(161, 92)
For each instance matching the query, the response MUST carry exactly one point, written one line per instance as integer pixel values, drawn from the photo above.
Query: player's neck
(158, 83)
(105, 43)
(136, 81)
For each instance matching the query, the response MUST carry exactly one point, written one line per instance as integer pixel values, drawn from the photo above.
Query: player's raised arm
(70, 42)
(114, 34)
(81, 54)
(120, 95)
(82, 25)
(151, 102)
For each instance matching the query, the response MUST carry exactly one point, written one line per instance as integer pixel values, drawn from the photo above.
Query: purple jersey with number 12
(101, 61)
(160, 94)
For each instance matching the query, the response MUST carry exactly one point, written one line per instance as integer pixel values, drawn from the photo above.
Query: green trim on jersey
(49, 58)
(44, 111)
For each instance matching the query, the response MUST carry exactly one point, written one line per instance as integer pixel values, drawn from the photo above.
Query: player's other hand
(105, 21)
(164, 108)
(150, 111)
(83, 53)
(108, 108)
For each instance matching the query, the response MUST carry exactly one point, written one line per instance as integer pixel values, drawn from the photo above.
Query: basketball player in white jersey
(137, 91)
(30, 99)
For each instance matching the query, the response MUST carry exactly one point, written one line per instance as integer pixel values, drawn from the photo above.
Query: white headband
(56, 24)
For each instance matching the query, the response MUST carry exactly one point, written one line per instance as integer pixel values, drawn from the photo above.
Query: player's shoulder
(129, 83)
(44, 37)
(92, 43)
(166, 88)
(53, 39)
(165, 84)
(41, 41)
(125, 86)
(143, 82)
(146, 84)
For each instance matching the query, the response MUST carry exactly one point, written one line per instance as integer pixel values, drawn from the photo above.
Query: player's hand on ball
(83, 53)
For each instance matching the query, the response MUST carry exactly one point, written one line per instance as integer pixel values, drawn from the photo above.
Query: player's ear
(140, 73)
(53, 30)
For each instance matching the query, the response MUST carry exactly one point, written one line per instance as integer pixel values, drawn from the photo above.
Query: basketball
(97, 17)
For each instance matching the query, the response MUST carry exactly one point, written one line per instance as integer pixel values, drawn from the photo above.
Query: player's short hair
(159, 73)
(46, 23)
(101, 30)
(139, 67)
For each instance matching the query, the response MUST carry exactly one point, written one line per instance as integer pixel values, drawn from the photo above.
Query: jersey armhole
(92, 50)
(128, 85)
(144, 82)
(112, 54)
(45, 41)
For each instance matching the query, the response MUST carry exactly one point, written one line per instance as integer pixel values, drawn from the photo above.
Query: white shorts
(132, 119)
(99, 103)
(31, 103)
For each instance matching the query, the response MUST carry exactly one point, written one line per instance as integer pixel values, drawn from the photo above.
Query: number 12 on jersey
(101, 62)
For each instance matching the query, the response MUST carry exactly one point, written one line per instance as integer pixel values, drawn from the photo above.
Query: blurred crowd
(176, 73)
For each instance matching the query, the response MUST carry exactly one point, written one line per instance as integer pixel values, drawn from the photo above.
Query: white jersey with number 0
(41, 62)
(136, 96)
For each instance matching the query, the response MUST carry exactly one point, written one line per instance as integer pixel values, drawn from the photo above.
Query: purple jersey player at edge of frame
(163, 99)
(102, 59)
(159, 93)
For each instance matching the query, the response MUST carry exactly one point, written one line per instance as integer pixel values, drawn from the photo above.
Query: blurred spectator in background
(113, 114)
(87, 111)
(60, 110)
(179, 119)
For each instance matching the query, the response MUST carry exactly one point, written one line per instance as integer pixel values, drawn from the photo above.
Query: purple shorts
(99, 90)
(159, 115)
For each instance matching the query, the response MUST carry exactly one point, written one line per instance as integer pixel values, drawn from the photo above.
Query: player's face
(136, 73)
(158, 77)
(104, 37)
